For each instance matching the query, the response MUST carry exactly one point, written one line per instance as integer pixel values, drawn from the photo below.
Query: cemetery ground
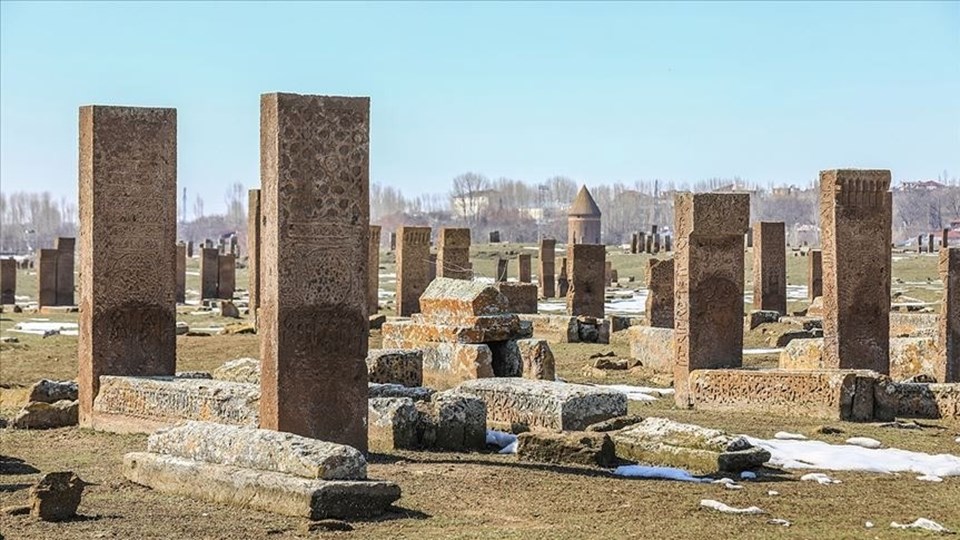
(485, 495)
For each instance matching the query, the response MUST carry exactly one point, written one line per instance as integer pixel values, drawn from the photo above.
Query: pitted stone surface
(142, 404)
(835, 394)
(653, 347)
(392, 424)
(913, 324)
(259, 449)
(659, 305)
(770, 267)
(49, 391)
(537, 359)
(457, 301)
(546, 404)
(396, 366)
(263, 490)
(421, 393)
(457, 420)
(418, 333)
(241, 370)
(703, 450)
(453, 254)
(413, 268)
(521, 297)
(909, 357)
(42, 415)
(917, 400)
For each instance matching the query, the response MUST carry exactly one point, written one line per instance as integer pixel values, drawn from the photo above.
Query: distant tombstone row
(654, 242)
(55, 280)
(218, 274)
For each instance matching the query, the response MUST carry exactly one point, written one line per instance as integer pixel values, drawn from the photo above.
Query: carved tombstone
(314, 166)
(949, 317)
(524, 270)
(659, 306)
(209, 272)
(47, 277)
(563, 282)
(226, 276)
(548, 261)
(770, 267)
(413, 268)
(814, 274)
(66, 249)
(708, 284)
(373, 270)
(128, 228)
(855, 220)
(181, 295)
(587, 276)
(453, 254)
(8, 281)
(502, 266)
(254, 219)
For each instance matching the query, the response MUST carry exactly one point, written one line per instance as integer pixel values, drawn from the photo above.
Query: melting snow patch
(720, 507)
(819, 478)
(506, 441)
(773, 493)
(727, 483)
(42, 328)
(639, 393)
(748, 475)
(787, 436)
(922, 523)
(663, 473)
(761, 351)
(865, 442)
(868, 524)
(781, 522)
(839, 457)
(929, 478)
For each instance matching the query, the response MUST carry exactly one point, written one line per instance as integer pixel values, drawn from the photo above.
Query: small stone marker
(524, 271)
(56, 496)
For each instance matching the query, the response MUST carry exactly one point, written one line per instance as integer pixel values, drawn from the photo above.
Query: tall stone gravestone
(181, 295)
(66, 251)
(770, 267)
(47, 277)
(548, 262)
(524, 270)
(855, 223)
(814, 274)
(373, 270)
(587, 276)
(209, 272)
(949, 317)
(128, 228)
(708, 284)
(659, 305)
(314, 167)
(413, 268)
(8, 281)
(254, 222)
(226, 276)
(453, 254)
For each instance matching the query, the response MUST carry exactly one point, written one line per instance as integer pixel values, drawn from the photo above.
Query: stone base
(260, 490)
(521, 297)
(909, 356)
(833, 394)
(546, 404)
(653, 347)
(931, 401)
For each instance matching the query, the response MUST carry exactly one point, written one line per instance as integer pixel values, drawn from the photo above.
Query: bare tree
(470, 196)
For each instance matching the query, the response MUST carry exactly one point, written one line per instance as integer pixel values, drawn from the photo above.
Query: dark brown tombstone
(948, 368)
(814, 274)
(749, 237)
(453, 254)
(855, 220)
(607, 273)
(587, 275)
(8, 281)
(181, 295)
(128, 235)
(708, 284)
(314, 166)
(254, 221)
(393, 241)
(930, 244)
(373, 270)
(226, 276)
(656, 239)
(190, 249)
(502, 269)
(668, 243)
(920, 243)
(209, 272)
(563, 281)
(659, 305)
(641, 242)
(413, 268)
(47, 277)
(524, 271)
(66, 250)
(234, 246)
(770, 267)
(546, 276)
(649, 247)
(633, 243)
(945, 238)
(494, 237)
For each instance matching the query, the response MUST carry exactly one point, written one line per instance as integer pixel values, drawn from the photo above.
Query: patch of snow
(787, 436)
(868, 524)
(837, 457)
(865, 442)
(639, 393)
(663, 473)
(929, 478)
(551, 307)
(192, 273)
(922, 523)
(506, 441)
(207, 312)
(387, 276)
(635, 303)
(41, 327)
(720, 507)
(748, 475)
(773, 493)
(727, 483)
(957, 440)
(819, 478)
(762, 351)
(797, 292)
(781, 522)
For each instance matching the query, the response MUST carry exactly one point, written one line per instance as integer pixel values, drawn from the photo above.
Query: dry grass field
(482, 495)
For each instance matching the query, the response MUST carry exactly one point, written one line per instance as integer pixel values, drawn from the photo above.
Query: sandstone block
(653, 347)
(260, 449)
(537, 359)
(399, 391)
(458, 421)
(457, 301)
(49, 391)
(554, 328)
(56, 496)
(917, 400)
(546, 404)
(241, 370)
(577, 447)
(762, 316)
(393, 424)
(42, 415)
(521, 297)
(395, 366)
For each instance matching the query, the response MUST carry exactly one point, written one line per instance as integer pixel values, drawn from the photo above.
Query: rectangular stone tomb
(909, 357)
(834, 394)
(546, 404)
(447, 421)
(143, 404)
(261, 469)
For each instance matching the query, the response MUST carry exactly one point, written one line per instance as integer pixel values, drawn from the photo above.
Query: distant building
(922, 185)
(583, 219)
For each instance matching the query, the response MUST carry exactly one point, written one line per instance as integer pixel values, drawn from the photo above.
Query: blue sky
(770, 92)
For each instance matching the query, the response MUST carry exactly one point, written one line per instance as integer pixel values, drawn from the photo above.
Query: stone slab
(395, 366)
(909, 357)
(653, 347)
(521, 297)
(459, 302)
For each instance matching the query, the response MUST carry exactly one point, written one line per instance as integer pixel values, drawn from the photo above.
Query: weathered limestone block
(43, 415)
(49, 391)
(834, 394)
(454, 421)
(815, 309)
(144, 404)
(802, 354)
(913, 324)
(761, 316)
(659, 305)
(546, 404)
(241, 370)
(702, 450)
(917, 400)
(459, 302)
(416, 333)
(909, 357)
(262, 490)
(393, 424)
(56, 496)
(521, 297)
(422, 393)
(554, 328)
(653, 347)
(260, 449)
(395, 366)
(537, 359)
(446, 365)
(577, 447)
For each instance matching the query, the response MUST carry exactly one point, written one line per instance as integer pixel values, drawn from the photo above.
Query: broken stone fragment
(242, 370)
(49, 391)
(56, 496)
(576, 447)
(40, 415)
(229, 309)
(395, 366)
(392, 424)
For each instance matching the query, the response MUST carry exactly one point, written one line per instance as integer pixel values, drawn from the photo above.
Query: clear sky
(771, 92)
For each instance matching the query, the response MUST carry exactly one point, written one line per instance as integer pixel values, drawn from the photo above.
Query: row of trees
(521, 211)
